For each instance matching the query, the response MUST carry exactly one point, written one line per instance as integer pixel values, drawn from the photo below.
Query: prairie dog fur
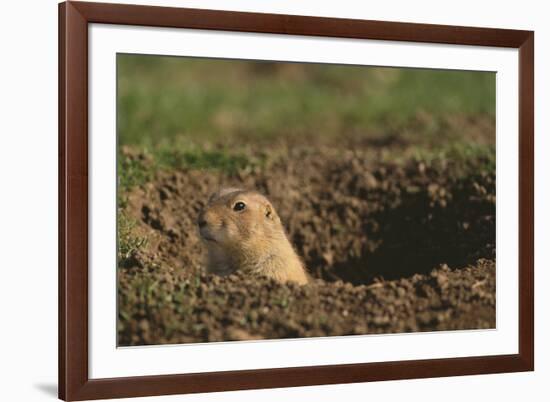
(242, 232)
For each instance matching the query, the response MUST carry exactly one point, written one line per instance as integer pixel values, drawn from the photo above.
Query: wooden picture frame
(74, 381)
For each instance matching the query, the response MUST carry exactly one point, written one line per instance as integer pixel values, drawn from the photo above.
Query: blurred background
(179, 101)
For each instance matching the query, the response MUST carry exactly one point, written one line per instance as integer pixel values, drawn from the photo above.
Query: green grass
(128, 242)
(132, 172)
(167, 100)
(203, 159)
(189, 113)
(139, 166)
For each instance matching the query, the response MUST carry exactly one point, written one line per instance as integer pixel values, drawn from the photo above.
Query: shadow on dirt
(417, 236)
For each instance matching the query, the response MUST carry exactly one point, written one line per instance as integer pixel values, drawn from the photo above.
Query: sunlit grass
(161, 99)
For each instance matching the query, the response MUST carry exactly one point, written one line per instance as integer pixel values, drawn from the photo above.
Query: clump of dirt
(379, 236)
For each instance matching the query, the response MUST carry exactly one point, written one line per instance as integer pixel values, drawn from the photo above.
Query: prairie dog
(242, 232)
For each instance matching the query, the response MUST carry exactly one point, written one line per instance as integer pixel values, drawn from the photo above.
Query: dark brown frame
(74, 17)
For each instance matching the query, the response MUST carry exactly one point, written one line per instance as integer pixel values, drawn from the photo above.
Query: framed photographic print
(259, 200)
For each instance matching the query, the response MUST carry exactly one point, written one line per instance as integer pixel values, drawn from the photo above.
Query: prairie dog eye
(239, 206)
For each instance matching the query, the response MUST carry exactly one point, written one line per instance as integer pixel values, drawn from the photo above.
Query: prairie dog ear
(270, 212)
(223, 191)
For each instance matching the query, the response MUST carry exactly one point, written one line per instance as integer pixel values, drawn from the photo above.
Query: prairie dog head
(236, 219)
(242, 232)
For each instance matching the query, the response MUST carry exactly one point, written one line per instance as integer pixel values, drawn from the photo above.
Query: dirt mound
(209, 308)
(371, 231)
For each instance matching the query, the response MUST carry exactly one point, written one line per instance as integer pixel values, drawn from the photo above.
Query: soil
(394, 247)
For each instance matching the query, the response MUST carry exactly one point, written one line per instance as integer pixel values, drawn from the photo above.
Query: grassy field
(166, 99)
(187, 112)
